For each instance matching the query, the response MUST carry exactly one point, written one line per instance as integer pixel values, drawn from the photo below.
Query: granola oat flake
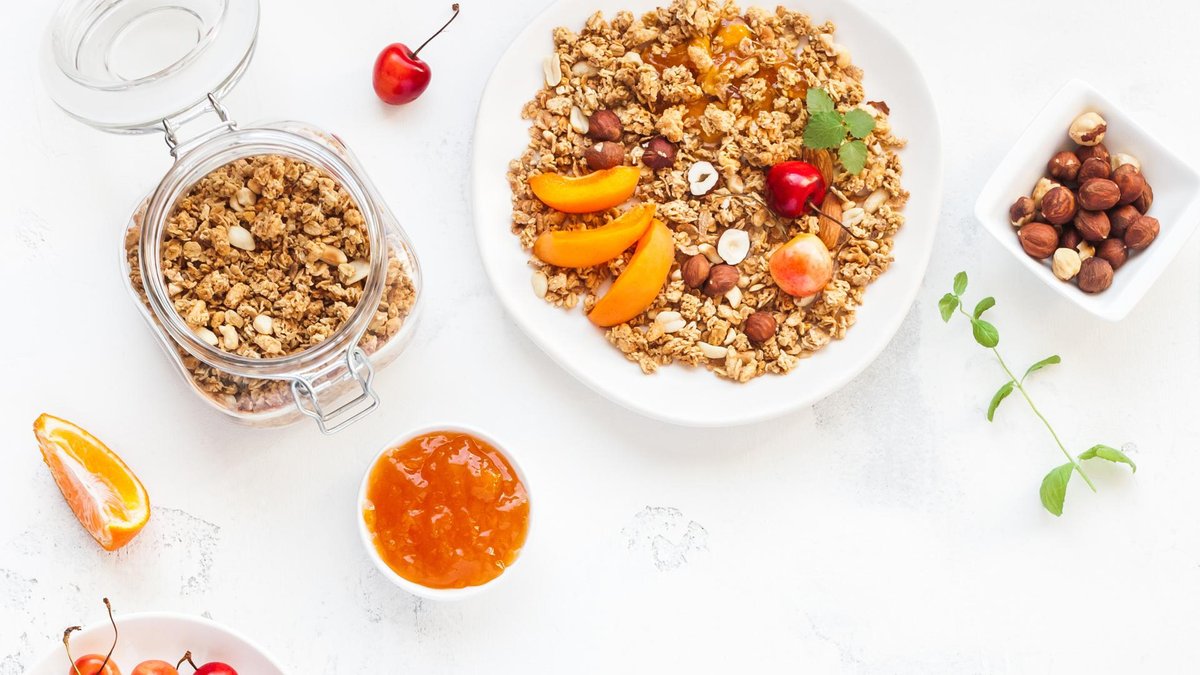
(706, 82)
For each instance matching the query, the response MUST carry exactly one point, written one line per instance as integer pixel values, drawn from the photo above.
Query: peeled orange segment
(637, 287)
(596, 191)
(107, 498)
(587, 248)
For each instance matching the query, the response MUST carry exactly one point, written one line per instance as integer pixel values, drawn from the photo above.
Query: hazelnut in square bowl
(1091, 202)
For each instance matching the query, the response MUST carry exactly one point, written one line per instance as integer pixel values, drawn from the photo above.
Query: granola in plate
(740, 105)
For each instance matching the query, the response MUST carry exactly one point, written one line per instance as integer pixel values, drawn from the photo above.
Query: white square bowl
(1176, 195)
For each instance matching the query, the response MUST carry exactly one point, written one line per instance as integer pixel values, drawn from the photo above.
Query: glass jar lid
(126, 66)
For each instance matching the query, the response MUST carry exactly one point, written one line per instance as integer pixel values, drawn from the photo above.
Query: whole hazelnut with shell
(1058, 206)
(604, 155)
(1086, 152)
(1142, 233)
(721, 279)
(660, 153)
(1099, 194)
(1093, 225)
(1069, 238)
(1129, 179)
(604, 125)
(1114, 251)
(1064, 167)
(1039, 240)
(759, 327)
(1094, 167)
(1121, 218)
(1095, 275)
(1143, 203)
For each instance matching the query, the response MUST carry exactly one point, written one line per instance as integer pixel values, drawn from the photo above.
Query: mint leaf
(1111, 454)
(984, 305)
(1048, 361)
(853, 156)
(960, 283)
(859, 122)
(824, 131)
(1054, 488)
(1000, 396)
(985, 333)
(947, 305)
(818, 101)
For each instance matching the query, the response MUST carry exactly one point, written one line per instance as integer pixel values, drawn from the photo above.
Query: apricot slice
(636, 287)
(586, 248)
(596, 191)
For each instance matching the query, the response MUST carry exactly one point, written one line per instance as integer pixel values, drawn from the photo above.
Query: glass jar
(110, 64)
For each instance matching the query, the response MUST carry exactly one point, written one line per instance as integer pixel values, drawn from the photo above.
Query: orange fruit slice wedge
(637, 287)
(587, 248)
(107, 498)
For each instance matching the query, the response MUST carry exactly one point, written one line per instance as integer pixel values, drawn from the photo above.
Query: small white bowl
(1176, 195)
(162, 635)
(368, 538)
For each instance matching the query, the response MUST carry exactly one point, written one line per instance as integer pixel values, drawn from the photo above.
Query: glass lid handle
(171, 129)
(359, 370)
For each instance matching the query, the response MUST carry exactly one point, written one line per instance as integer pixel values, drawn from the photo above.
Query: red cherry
(215, 668)
(399, 76)
(792, 186)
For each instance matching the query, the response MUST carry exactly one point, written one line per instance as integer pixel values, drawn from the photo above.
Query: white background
(890, 529)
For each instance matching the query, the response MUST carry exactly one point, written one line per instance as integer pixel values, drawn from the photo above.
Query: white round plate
(165, 636)
(673, 394)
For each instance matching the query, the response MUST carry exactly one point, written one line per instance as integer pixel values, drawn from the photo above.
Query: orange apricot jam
(732, 44)
(446, 510)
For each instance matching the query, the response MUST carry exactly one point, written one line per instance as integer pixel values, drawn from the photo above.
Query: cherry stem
(187, 658)
(447, 24)
(107, 657)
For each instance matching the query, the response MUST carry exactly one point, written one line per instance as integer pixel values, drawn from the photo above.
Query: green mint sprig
(827, 129)
(1054, 486)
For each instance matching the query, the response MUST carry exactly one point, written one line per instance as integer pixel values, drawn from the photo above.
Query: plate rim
(738, 417)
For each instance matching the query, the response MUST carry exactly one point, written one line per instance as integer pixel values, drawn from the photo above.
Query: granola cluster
(743, 119)
(265, 236)
(305, 297)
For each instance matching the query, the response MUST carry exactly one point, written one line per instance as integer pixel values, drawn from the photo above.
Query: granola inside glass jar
(265, 261)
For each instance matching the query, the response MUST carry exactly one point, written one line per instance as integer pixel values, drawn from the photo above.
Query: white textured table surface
(890, 529)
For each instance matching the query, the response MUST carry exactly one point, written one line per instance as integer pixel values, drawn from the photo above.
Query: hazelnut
(1087, 152)
(695, 270)
(1143, 203)
(759, 327)
(1021, 212)
(1120, 159)
(604, 125)
(721, 278)
(1086, 250)
(1038, 239)
(1039, 191)
(604, 155)
(660, 153)
(1121, 218)
(1092, 225)
(1114, 251)
(1069, 238)
(1088, 129)
(1094, 167)
(1141, 233)
(1095, 275)
(1099, 194)
(1058, 206)
(1129, 179)
(1063, 167)
(1066, 263)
